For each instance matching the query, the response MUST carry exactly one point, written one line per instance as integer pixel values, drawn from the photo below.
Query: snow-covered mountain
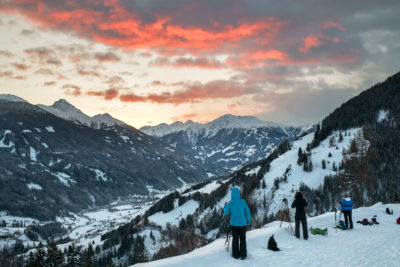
(12, 98)
(362, 246)
(229, 142)
(355, 150)
(65, 110)
(50, 165)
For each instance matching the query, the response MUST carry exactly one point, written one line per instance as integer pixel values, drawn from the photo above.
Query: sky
(147, 62)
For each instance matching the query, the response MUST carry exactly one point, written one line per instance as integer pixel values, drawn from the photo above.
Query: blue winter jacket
(347, 204)
(237, 207)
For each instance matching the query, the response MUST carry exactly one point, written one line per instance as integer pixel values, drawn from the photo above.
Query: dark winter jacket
(300, 204)
(347, 204)
(237, 207)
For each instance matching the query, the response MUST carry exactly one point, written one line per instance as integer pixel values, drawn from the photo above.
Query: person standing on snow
(300, 204)
(240, 217)
(346, 208)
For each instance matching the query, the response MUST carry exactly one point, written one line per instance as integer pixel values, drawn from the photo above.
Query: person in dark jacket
(240, 217)
(300, 204)
(346, 208)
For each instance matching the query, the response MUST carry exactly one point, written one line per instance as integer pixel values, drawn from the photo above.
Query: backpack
(388, 211)
(364, 222)
(272, 245)
(398, 220)
(318, 231)
(342, 225)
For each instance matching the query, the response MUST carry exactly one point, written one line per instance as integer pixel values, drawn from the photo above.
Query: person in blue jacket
(346, 208)
(240, 217)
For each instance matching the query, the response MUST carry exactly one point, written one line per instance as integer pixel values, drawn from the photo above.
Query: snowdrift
(376, 245)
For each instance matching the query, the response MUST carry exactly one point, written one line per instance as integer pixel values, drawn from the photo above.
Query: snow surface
(34, 186)
(2, 144)
(50, 129)
(376, 245)
(174, 216)
(32, 154)
(382, 115)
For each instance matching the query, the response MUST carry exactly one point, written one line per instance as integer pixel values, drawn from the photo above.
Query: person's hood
(235, 193)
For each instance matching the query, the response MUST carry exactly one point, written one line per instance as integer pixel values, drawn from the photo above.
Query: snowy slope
(375, 245)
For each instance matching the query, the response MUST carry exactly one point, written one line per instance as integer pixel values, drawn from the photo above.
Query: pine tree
(53, 256)
(88, 257)
(73, 255)
(139, 251)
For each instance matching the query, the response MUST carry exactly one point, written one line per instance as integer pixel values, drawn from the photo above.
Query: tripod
(285, 208)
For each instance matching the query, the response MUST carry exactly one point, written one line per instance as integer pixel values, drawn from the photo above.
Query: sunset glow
(148, 62)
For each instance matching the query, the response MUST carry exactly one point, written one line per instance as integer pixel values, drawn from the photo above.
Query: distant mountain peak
(63, 109)
(227, 121)
(12, 98)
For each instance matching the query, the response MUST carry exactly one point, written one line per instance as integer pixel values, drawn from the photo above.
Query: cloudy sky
(152, 61)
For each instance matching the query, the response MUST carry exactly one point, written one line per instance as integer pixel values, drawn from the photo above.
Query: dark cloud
(88, 73)
(302, 106)
(6, 74)
(184, 62)
(29, 33)
(71, 89)
(46, 72)
(6, 53)
(106, 57)
(109, 94)
(19, 66)
(49, 83)
(196, 92)
(40, 52)
(54, 61)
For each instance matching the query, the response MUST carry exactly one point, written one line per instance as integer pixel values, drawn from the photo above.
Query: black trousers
(297, 228)
(239, 233)
(347, 218)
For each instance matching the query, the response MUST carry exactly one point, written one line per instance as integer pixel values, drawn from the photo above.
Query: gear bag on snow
(388, 211)
(318, 231)
(364, 222)
(272, 245)
(398, 220)
(341, 225)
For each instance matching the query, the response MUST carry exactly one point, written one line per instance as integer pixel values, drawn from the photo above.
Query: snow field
(296, 174)
(174, 216)
(376, 245)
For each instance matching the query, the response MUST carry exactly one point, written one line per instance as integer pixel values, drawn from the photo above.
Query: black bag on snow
(272, 245)
(388, 211)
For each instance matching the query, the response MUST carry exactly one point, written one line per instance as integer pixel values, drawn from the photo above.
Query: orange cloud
(193, 93)
(49, 83)
(184, 117)
(332, 24)
(22, 67)
(309, 42)
(252, 59)
(113, 24)
(108, 94)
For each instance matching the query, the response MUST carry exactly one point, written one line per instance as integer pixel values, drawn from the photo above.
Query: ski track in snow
(376, 245)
